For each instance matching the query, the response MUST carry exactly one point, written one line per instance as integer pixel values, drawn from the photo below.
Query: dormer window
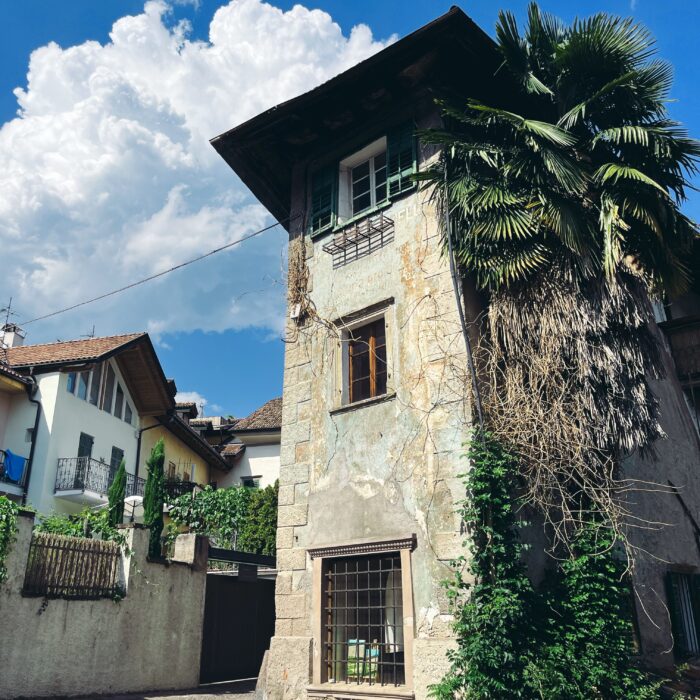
(357, 185)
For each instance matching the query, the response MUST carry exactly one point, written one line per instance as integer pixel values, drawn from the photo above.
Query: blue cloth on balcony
(14, 466)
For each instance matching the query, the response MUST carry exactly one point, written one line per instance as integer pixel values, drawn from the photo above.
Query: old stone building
(376, 404)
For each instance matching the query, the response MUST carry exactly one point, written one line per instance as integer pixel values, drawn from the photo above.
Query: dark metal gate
(239, 621)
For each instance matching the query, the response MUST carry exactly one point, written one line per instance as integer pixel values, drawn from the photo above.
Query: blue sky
(109, 176)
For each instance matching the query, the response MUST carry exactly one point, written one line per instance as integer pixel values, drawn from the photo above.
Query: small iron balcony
(86, 480)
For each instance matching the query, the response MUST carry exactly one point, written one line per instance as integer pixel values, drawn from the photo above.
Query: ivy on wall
(571, 639)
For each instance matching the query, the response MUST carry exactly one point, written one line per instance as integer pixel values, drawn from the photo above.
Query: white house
(80, 415)
(250, 445)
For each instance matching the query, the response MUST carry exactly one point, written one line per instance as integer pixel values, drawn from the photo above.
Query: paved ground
(235, 689)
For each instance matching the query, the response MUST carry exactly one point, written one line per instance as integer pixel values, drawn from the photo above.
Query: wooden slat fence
(72, 567)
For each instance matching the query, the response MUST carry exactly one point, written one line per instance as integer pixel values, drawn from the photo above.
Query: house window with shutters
(363, 182)
(683, 592)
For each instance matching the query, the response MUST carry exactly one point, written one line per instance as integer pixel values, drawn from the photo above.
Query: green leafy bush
(492, 595)
(154, 498)
(259, 529)
(571, 640)
(87, 523)
(8, 530)
(217, 513)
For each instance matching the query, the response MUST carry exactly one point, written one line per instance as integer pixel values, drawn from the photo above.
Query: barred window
(363, 620)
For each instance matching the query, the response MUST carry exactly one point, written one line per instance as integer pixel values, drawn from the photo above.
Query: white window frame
(369, 152)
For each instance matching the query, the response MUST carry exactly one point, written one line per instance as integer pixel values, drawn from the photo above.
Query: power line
(156, 275)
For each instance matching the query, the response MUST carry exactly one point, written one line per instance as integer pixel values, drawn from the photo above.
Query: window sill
(361, 404)
(350, 691)
(363, 215)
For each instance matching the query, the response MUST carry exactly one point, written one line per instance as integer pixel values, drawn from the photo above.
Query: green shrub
(154, 498)
(259, 529)
(217, 513)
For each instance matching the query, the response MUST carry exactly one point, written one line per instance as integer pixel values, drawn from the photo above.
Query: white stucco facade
(260, 460)
(64, 416)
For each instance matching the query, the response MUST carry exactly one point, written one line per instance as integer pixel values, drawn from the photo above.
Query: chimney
(12, 335)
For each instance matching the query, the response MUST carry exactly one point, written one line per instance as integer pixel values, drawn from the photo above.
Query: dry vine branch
(568, 366)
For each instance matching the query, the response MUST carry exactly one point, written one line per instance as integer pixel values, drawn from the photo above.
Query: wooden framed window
(172, 470)
(367, 365)
(364, 180)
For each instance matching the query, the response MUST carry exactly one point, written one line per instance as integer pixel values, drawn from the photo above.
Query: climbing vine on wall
(571, 639)
(8, 529)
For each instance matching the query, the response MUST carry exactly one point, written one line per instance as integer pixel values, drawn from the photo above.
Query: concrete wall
(150, 639)
(261, 460)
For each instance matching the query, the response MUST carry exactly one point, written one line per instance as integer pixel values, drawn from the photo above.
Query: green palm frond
(584, 164)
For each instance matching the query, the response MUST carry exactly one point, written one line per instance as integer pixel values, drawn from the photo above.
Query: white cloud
(107, 175)
(192, 397)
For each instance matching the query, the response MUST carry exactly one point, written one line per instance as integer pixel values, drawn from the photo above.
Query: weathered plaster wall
(151, 639)
(384, 470)
(668, 536)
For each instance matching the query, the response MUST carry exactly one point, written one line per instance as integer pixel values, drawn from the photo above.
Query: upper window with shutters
(363, 182)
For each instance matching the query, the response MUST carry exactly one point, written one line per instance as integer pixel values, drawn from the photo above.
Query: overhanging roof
(194, 441)
(134, 354)
(449, 54)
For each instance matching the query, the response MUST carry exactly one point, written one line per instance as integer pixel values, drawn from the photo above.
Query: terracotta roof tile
(67, 351)
(232, 449)
(267, 417)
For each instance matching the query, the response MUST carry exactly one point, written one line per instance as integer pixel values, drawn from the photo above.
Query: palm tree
(563, 201)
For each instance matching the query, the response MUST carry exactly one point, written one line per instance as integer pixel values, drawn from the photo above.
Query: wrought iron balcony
(13, 477)
(175, 487)
(85, 479)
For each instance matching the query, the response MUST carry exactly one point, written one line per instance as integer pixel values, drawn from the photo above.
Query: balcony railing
(87, 474)
(178, 487)
(14, 476)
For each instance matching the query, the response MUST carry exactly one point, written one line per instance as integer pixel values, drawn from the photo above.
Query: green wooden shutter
(324, 186)
(673, 594)
(401, 159)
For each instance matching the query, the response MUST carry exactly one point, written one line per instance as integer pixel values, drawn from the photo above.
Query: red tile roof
(267, 417)
(67, 351)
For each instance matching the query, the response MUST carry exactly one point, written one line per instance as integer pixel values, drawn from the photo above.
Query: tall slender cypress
(116, 494)
(154, 497)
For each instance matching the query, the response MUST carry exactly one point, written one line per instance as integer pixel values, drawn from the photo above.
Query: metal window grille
(363, 620)
(71, 567)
